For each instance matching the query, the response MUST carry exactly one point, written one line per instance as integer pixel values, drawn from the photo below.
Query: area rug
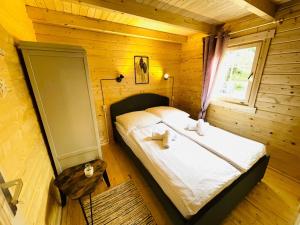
(119, 205)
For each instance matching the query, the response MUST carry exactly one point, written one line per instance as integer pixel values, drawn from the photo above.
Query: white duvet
(188, 174)
(241, 152)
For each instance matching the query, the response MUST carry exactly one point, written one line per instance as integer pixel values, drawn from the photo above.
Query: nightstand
(74, 184)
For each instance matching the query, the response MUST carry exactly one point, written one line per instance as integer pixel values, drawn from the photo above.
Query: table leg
(63, 198)
(106, 179)
(86, 220)
(91, 208)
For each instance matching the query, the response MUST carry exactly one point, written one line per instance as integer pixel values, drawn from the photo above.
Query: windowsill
(234, 107)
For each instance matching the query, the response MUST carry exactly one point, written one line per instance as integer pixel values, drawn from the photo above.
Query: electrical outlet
(3, 88)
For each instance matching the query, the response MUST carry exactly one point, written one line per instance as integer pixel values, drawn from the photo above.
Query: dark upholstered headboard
(136, 103)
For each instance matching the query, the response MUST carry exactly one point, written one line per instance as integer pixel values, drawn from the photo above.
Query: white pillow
(167, 112)
(137, 119)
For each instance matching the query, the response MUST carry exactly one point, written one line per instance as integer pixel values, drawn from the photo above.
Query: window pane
(236, 72)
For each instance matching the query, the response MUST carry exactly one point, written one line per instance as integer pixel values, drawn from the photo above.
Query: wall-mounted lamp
(118, 79)
(167, 77)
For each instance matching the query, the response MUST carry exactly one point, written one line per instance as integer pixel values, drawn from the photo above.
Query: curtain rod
(258, 26)
(254, 27)
(279, 21)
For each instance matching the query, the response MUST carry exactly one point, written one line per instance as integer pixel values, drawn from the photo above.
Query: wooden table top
(73, 182)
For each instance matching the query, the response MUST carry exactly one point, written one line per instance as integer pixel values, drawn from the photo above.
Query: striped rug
(119, 205)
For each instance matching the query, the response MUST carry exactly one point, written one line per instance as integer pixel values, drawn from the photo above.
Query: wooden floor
(275, 200)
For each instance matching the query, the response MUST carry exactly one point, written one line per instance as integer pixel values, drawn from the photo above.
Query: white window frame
(262, 40)
(253, 72)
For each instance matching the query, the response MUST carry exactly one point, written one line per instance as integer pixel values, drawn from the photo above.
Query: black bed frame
(219, 207)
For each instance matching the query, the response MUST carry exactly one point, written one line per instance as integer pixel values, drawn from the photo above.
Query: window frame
(258, 46)
(265, 38)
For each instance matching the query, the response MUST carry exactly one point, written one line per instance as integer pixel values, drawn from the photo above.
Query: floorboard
(275, 200)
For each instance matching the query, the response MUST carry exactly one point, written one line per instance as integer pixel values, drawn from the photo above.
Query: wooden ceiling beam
(262, 8)
(44, 16)
(146, 11)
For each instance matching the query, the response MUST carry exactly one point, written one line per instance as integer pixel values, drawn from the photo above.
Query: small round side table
(74, 184)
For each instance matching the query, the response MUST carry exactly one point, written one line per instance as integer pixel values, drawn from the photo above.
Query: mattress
(188, 174)
(241, 152)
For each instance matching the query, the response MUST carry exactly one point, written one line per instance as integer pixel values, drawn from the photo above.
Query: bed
(217, 208)
(190, 176)
(226, 145)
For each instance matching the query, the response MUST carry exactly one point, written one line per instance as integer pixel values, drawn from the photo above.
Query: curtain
(212, 52)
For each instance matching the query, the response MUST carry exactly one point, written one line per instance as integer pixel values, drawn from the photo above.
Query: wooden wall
(188, 83)
(22, 150)
(277, 120)
(110, 55)
(14, 20)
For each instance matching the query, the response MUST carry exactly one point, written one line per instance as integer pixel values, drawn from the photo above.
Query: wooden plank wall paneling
(6, 216)
(277, 120)
(110, 55)
(187, 89)
(22, 150)
(14, 20)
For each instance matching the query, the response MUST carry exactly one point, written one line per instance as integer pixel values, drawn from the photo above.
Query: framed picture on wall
(141, 69)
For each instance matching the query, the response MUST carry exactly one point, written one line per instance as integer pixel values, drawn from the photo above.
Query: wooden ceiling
(108, 15)
(210, 11)
(182, 17)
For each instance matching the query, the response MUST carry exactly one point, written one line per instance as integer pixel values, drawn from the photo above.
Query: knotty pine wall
(15, 21)
(109, 55)
(189, 82)
(277, 120)
(22, 150)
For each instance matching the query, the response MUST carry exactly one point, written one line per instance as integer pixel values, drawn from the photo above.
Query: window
(237, 72)
(242, 64)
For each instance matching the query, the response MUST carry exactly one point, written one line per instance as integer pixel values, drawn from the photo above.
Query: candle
(88, 170)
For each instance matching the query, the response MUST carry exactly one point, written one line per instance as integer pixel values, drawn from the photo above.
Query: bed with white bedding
(183, 190)
(189, 174)
(241, 152)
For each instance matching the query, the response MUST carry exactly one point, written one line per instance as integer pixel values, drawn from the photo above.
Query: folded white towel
(202, 127)
(167, 137)
(192, 127)
(157, 136)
